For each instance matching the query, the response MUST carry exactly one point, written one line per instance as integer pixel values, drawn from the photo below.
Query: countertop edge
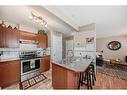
(6, 60)
(63, 66)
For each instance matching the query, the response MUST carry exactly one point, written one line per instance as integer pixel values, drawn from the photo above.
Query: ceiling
(110, 20)
(20, 15)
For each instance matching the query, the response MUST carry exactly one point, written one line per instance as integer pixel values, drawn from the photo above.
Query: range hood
(28, 41)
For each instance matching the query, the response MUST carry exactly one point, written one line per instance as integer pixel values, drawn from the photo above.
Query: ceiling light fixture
(38, 19)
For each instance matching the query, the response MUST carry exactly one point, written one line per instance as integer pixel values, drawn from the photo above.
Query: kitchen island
(65, 75)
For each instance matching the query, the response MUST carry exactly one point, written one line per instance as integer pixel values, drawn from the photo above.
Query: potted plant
(42, 32)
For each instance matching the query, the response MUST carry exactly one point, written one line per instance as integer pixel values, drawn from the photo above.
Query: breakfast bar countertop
(65, 74)
(76, 65)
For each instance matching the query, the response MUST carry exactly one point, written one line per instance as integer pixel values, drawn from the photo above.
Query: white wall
(85, 49)
(109, 54)
(80, 45)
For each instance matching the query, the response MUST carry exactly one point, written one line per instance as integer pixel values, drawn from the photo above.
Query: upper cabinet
(43, 41)
(9, 38)
(12, 38)
(27, 36)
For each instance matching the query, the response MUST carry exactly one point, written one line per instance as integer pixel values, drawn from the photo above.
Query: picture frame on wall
(90, 40)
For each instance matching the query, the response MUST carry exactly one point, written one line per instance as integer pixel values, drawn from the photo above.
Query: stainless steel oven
(29, 66)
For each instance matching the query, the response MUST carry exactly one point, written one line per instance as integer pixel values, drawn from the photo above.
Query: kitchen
(31, 55)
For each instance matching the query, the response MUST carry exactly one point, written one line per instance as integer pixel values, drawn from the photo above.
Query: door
(56, 47)
(69, 48)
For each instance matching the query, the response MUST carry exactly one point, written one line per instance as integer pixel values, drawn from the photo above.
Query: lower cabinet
(9, 73)
(45, 63)
(64, 78)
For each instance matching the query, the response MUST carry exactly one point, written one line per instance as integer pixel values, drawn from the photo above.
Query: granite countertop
(12, 59)
(77, 65)
(9, 59)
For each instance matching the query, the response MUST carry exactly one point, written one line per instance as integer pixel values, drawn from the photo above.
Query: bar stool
(85, 79)
(92, 73)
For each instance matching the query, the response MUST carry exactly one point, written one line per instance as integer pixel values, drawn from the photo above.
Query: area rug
(115, 72)
(32, 81)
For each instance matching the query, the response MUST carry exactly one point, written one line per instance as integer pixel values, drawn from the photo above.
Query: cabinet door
(27, 36)
(9, 73)
(59, 77)
(14, 71)
(43, 41)
(45, 64)
(12, 38)
(4, 74)
(2, 37)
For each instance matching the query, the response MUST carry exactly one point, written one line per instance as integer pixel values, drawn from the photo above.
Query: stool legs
(90, 82)
(93, 73)
(85, 77)
(80, 77)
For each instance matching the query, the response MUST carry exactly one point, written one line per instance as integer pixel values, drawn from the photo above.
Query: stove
(30, 64)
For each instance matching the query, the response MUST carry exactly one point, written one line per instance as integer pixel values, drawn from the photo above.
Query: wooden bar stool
(93, 75)
(85, 79)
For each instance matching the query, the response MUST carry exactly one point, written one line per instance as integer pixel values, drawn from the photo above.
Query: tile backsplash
(82, 52)
(28, 47)
(7, 53)
(42, 52)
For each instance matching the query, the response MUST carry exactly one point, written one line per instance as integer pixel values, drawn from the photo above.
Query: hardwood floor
(103, 81)
(108, 82)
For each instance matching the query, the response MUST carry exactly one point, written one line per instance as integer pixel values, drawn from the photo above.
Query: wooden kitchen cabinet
(64, 78)
(43, 41)
(28, 36)
(9, 38)
(12, 38)
(9, 73)
(2, 37)
(59, 77)
(45, 63)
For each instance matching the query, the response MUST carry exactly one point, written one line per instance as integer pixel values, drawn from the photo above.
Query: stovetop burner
(28, 58)
(28, 55)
